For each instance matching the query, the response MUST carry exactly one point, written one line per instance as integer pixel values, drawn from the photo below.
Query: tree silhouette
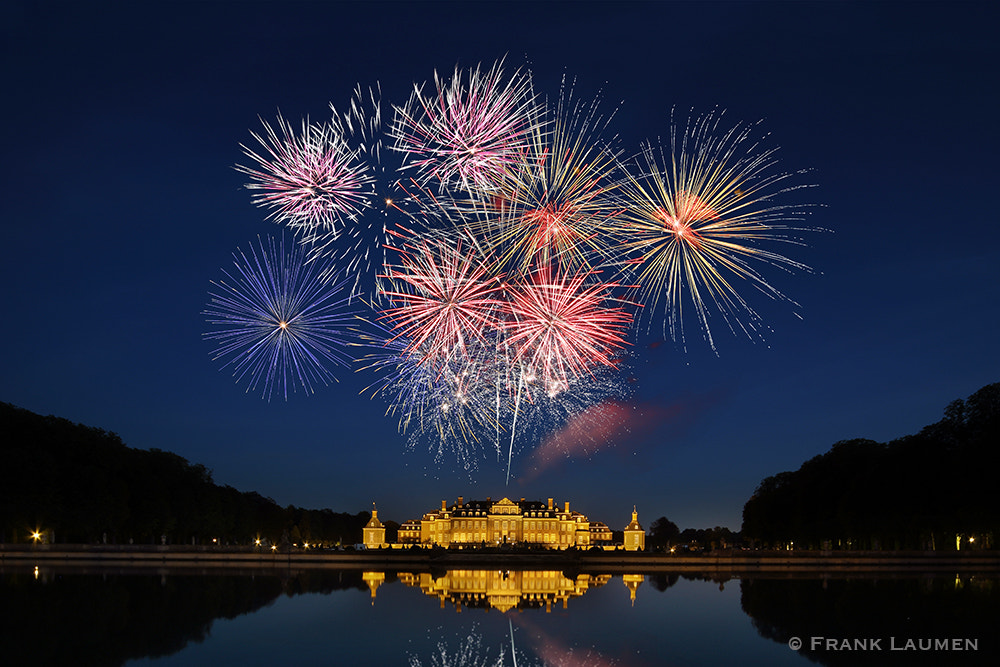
(917, 492)
(83, 485)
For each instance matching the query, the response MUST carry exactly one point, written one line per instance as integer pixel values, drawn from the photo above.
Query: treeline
(664, 535)
(78, 484)
(933, 490)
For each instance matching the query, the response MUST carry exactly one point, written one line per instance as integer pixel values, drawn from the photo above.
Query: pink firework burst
(469, 130)
(451, 299)
(561, 329)
(311, 181)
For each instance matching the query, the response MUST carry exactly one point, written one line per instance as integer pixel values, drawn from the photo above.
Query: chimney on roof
(550, 503)
(522, 499)
(460, 499)
(443, 505)
(567, 507)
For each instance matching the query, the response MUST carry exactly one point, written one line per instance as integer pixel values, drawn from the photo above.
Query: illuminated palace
(528, 522)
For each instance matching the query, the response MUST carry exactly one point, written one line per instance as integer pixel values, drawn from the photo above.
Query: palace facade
(525, 522)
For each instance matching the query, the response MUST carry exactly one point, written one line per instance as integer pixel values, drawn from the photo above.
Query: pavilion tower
(635, 536)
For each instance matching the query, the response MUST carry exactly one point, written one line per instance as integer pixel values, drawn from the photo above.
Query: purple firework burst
(280, 326)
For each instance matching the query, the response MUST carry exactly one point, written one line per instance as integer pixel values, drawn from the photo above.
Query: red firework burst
(451, 299)
(561, 329)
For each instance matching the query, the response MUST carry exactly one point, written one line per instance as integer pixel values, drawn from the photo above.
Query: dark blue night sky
(122, 124)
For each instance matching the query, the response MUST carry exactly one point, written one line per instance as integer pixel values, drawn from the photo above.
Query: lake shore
(730, 561)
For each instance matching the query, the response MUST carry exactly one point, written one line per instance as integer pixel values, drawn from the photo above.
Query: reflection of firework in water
(468, 131)
(549, 652)
(694, 222)
(470, 653)
(310, 180)
(280, 325)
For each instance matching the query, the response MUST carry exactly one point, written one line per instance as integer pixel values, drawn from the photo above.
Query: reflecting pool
(492, 617)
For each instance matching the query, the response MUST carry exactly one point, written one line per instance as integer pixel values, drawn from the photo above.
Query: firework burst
(451, 299)
(280, 326)
(469, 130)
(441, 324)
(489, 228)
(555, 204)
(448, 403)
(358, 247)
(310, 180)
(561, 329)
(698, 220)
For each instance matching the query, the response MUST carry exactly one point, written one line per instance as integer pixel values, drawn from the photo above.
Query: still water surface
(491, 618)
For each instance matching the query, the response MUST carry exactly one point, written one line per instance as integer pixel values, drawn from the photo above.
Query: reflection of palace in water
(489, 523)
(503, 589)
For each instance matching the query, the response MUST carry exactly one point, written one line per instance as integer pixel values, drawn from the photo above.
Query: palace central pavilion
(488, 523)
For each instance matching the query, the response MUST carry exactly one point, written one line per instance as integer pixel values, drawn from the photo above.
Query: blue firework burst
(281, 325)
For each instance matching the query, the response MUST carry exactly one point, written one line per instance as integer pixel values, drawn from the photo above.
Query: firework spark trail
(560, 331)
(555, 204)
(693, 222)
(310, 180)
(542, 411)
(468, 130)
(280, 325)
(513, 426)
